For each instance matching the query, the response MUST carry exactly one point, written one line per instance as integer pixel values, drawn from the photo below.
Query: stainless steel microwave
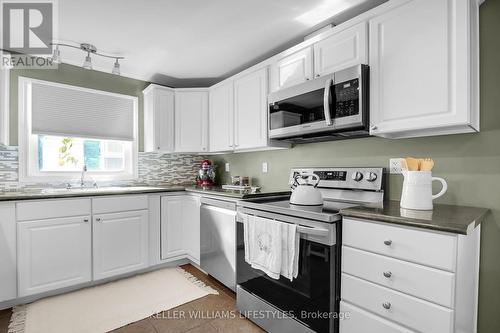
(333, 106)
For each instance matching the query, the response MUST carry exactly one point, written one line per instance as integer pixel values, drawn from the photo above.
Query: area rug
(111, 305)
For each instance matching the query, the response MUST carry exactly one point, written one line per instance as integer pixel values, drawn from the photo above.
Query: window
(63, 154)
(65, 129)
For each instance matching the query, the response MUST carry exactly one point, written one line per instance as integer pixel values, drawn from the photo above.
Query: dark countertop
(54, 193)
(30, 194)
(447, 218)
(237, 194)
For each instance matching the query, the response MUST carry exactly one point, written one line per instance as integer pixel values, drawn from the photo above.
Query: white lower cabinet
(180, 227)
(404, 279)
(53, 253)
(120, 243)
(357, 320)
(8, 274)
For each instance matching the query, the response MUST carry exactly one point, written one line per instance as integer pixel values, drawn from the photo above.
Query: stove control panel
(345, 178)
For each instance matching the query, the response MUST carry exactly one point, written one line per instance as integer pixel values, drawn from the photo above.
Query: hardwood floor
(209, 314)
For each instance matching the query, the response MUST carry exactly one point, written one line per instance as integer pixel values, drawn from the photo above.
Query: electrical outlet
(227, 167)
(395, 165)
(264, 167)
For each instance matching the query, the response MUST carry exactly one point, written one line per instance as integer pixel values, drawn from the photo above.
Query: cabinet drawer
(406, 310)
(424, 282)
(119, 203)
(423, 247)
(360, 321)
(46, 209)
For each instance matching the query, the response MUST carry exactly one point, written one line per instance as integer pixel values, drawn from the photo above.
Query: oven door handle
(312, 231)
(326, 102)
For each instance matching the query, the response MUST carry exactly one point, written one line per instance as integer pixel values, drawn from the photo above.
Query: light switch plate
(226, 168)
(264, 167)
(395, 165)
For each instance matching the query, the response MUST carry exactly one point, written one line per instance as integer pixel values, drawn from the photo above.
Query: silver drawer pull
(98, 219)
(386, 305)
(387, 274)
(85, 220)
(388, 242)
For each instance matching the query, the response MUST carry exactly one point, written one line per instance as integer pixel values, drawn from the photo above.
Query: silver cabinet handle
(387, 274)
(388, 242)
(85, 220)
(318, 75)
(98, 219)
(386, 305)
(374, 128)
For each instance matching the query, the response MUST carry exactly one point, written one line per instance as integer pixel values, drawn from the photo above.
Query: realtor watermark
(255, 314)
(28, 30)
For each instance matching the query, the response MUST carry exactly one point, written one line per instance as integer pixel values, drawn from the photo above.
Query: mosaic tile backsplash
(155, 169)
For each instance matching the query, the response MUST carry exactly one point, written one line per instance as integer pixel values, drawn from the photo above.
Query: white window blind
(64, 110)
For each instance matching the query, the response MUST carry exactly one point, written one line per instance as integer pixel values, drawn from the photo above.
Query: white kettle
(417, 190)
(305, 192)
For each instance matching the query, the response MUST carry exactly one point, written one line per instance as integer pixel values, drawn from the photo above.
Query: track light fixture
(90, 50)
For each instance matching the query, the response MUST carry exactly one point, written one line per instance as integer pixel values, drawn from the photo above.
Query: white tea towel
(290, 240)
(264, 237)
(271, 246)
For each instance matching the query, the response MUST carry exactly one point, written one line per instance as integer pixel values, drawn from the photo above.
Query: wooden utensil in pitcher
(427, 164)
(412, 164)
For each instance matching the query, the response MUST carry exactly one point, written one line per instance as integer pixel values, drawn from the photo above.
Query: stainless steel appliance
(310, 303)
(333, 106)
(217, 240)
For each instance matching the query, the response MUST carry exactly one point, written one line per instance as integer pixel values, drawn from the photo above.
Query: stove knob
(357, 176)
(371, 176)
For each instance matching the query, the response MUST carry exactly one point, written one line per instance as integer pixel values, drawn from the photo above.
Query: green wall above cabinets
(77, 76)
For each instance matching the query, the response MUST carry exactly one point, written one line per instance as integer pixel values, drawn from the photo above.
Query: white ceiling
(191, 42)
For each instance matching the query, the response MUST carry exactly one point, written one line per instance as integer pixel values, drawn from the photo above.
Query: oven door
(314, 291)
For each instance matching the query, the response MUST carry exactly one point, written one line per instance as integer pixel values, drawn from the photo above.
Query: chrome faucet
(82, 179)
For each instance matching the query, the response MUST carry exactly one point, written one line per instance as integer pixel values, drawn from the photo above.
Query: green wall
(77, 76)
(470, 163)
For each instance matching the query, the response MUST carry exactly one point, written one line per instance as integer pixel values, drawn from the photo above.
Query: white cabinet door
(423, 74)
(293, 69)
(8, 287)
(191, 120)
(180, 228)
(344, 49)
(53, 253)
(221, 117)
(120, 243)
(191, 227)
(4, 105)
(250, 106)
(171, 227)
(158, 119)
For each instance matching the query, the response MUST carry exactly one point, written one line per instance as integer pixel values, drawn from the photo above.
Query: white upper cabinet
(221, 117)
(158, 119)
(292, 69)
(424, 68)
(191, 120)
(341, 50)
(250, 108)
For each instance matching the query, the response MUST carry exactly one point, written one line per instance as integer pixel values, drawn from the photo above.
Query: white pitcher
(417, 190)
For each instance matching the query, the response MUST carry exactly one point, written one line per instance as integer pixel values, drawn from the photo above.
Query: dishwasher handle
(229, 205)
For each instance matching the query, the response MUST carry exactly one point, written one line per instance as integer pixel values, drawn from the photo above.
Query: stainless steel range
(310, 302)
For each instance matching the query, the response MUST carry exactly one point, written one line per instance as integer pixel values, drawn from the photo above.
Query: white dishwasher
(218, 240)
